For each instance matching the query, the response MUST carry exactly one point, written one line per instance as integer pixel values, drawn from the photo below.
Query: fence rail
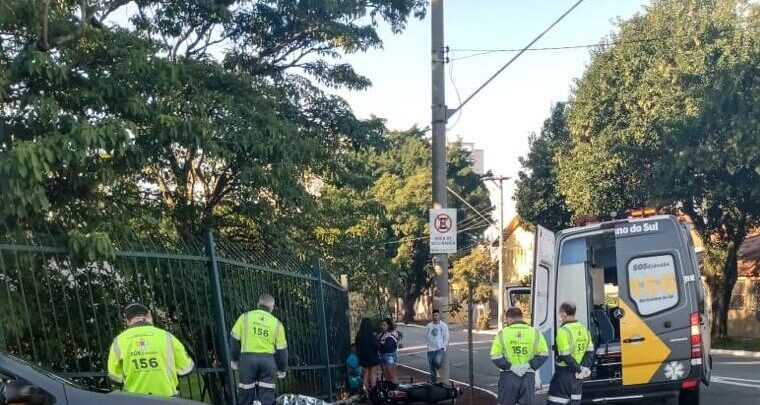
(62, 312)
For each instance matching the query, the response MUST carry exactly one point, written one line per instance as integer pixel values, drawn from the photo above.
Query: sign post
(443, 231)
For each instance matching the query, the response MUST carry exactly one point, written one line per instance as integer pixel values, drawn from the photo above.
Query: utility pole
(500, 297)
(439, 118)
(471, 360)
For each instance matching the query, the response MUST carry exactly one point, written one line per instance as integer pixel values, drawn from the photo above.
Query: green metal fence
(62, 312)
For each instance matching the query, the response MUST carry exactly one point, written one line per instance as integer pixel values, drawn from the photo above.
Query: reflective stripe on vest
(245, 331)
(169, 356)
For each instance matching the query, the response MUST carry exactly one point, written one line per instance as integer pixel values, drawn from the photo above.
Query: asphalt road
(736, 380)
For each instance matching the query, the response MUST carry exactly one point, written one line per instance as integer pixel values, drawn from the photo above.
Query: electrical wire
(506, 65)
(481, 52)
(473, 220)
(467, 204)
(412, 238)
(456, 91)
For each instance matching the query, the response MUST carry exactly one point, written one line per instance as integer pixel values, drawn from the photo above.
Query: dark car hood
(81, 397)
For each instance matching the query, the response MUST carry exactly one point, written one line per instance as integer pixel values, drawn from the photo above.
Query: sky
(500, 119)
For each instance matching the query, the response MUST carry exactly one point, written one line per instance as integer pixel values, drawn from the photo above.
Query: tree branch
(45, 17)
(294, 38)
(164, 191)
(182, 39)
(187, 174)
(221, 189)
(80, 29)
(111, 8)
(696, 219)
(205, 31)
(208, 44)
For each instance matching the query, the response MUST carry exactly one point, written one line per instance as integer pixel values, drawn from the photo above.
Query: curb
(736, 353)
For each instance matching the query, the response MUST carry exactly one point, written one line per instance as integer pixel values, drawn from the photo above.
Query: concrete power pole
(499, 181)
(501, 253)
(439, 118)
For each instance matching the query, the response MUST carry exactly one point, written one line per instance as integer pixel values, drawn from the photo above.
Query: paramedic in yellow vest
(518, 350)
(575, 354)
(259, 351)
(145, 359)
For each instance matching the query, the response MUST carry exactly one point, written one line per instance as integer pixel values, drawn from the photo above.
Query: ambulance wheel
(689, 397)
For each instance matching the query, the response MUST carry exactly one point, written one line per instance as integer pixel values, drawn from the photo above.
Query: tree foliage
(672, 121)
(538, 198)
(473, 270)
(374, 224)
(192, 114)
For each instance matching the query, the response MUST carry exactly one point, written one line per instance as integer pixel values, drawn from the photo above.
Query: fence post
(322, 318)
(218, 302)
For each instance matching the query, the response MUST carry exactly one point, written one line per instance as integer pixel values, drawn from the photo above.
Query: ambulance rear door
(655, 323)
(543, 286)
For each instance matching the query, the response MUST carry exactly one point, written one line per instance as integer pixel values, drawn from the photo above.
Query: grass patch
(734, 343)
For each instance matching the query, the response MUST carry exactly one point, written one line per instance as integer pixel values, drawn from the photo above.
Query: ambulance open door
(543, 287)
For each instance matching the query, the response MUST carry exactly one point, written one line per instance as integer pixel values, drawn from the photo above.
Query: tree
(472, 271)
(199, 113)
(195, 115)
(538, 198)
(672, 122)
(404, 189)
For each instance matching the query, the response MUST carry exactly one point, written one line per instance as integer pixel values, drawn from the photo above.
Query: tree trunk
(715, 286)
(730, 275)
(409, 313)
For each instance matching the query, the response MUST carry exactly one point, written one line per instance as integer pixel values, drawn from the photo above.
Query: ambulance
(637, 287)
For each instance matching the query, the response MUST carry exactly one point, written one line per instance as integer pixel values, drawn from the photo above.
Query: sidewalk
(479, 397)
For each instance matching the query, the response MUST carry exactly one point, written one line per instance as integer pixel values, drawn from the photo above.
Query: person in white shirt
(437, 342)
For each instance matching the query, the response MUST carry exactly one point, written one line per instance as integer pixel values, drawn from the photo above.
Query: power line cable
(506, 65)
(481, 52)
(468, 204)
(456, 91)
(486, 51)
(469, 222)
(413, 238)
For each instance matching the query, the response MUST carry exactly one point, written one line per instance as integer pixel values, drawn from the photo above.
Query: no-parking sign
(443, 230)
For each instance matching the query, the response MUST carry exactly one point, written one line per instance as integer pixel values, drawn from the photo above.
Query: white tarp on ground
(290, 399)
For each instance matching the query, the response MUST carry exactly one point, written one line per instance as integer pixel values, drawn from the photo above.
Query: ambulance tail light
(690, 384)
(696, 336)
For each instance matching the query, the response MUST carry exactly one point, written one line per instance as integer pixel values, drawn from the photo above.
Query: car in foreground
(24, 383)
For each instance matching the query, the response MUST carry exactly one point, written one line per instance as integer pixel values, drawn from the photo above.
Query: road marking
(412, 348)
(413, 353)
(738, 363)
(489, 392)
(735, 382)
(736, 353)
(737, 379)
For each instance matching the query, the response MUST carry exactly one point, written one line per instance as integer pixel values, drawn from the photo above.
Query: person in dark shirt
(368, 352)
(389, 350)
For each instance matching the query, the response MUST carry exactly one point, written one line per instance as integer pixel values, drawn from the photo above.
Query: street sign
(443, 231)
